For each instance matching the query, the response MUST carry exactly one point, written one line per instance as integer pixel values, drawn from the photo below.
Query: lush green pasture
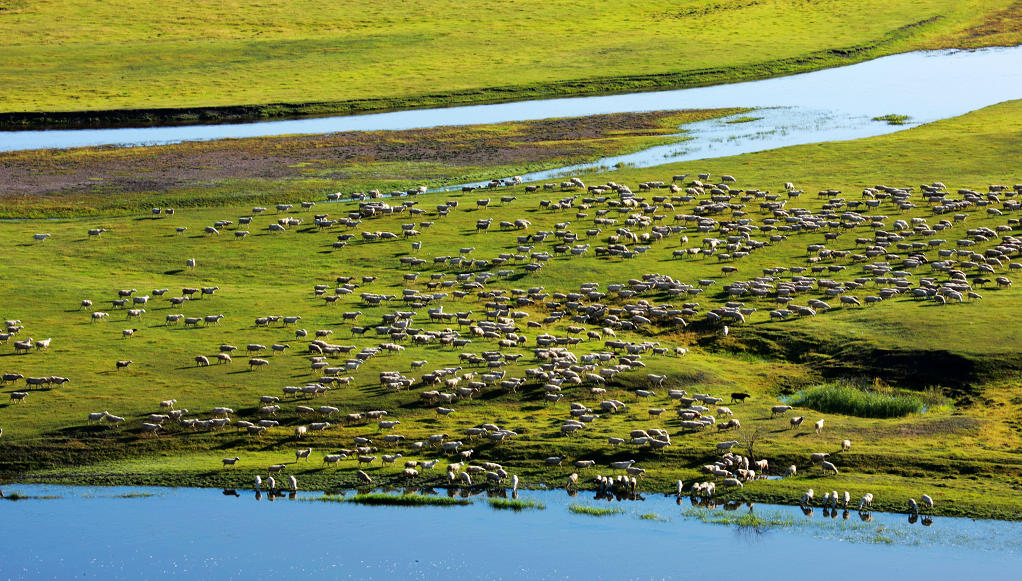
(965, 351)
(306, 57)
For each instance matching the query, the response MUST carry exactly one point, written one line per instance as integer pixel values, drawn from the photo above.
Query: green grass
(213, 61)
(741, 518)
(857, 401)
(593, 510)
(967, 350)
(374, 498)
(893, 119)
(516, 505)
(743, 119)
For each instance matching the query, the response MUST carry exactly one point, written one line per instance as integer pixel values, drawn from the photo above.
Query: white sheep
(867, 501)
(819, 426)
(231, 461)
(828, 467)
(846, 445)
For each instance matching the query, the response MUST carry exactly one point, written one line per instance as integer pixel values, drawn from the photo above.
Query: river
(156, 533)
(827, 105)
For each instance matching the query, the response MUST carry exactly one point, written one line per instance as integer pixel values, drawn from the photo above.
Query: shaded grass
(593, 510)
(515, 505)
(855, 401)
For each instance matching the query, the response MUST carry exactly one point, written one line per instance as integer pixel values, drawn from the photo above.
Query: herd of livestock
(512, 337)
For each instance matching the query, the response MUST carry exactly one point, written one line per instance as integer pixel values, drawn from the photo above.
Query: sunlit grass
(375, 498)
(515, 505)
(593, 510)
(856, 401)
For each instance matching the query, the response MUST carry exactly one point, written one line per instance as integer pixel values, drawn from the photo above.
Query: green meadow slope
(199, 60)
(958, 360)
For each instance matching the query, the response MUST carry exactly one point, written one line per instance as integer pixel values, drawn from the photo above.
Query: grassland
(79, 62)
(965, 352)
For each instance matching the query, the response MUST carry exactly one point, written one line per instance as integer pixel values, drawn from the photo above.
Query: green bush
(860, 402)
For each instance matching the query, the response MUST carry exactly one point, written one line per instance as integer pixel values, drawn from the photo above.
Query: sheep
(334, 458)
(201, 361)
(222, 358)
(791, 471)
(732, 482)
(96, 417)
(123, 363)
(796, 421)
(779, 410)
(299, 454)
(819, 426)
(867, 501)
(807, 497)
(168, 403)
(276, 468)
(255, 362)
(726, 446)
(98, 316)
(817, 457)
(148, 428)
(828, 467)
(927, 500)
(231, 461)
(846, 445)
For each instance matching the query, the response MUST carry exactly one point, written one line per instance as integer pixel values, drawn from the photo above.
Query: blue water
(825, 105)
(202, 534)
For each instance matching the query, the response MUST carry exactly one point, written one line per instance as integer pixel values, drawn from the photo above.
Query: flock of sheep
(936, 259)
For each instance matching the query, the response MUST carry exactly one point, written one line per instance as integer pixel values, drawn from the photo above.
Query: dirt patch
(1000, 28)
(331, 156)
(938, 427)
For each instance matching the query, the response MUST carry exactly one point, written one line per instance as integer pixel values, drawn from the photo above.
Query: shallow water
(183, 532)
(819, 106)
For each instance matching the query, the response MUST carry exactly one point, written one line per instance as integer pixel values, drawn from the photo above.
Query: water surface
(201, 533)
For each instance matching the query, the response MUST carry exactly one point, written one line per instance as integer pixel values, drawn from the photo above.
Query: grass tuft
(859, 402)
(593, 511)
(893, 119)
(516, 505)
(376, 498)
(743, 119)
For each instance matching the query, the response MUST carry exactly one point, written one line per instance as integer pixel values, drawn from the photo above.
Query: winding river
(131, 533)
(827, 105)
